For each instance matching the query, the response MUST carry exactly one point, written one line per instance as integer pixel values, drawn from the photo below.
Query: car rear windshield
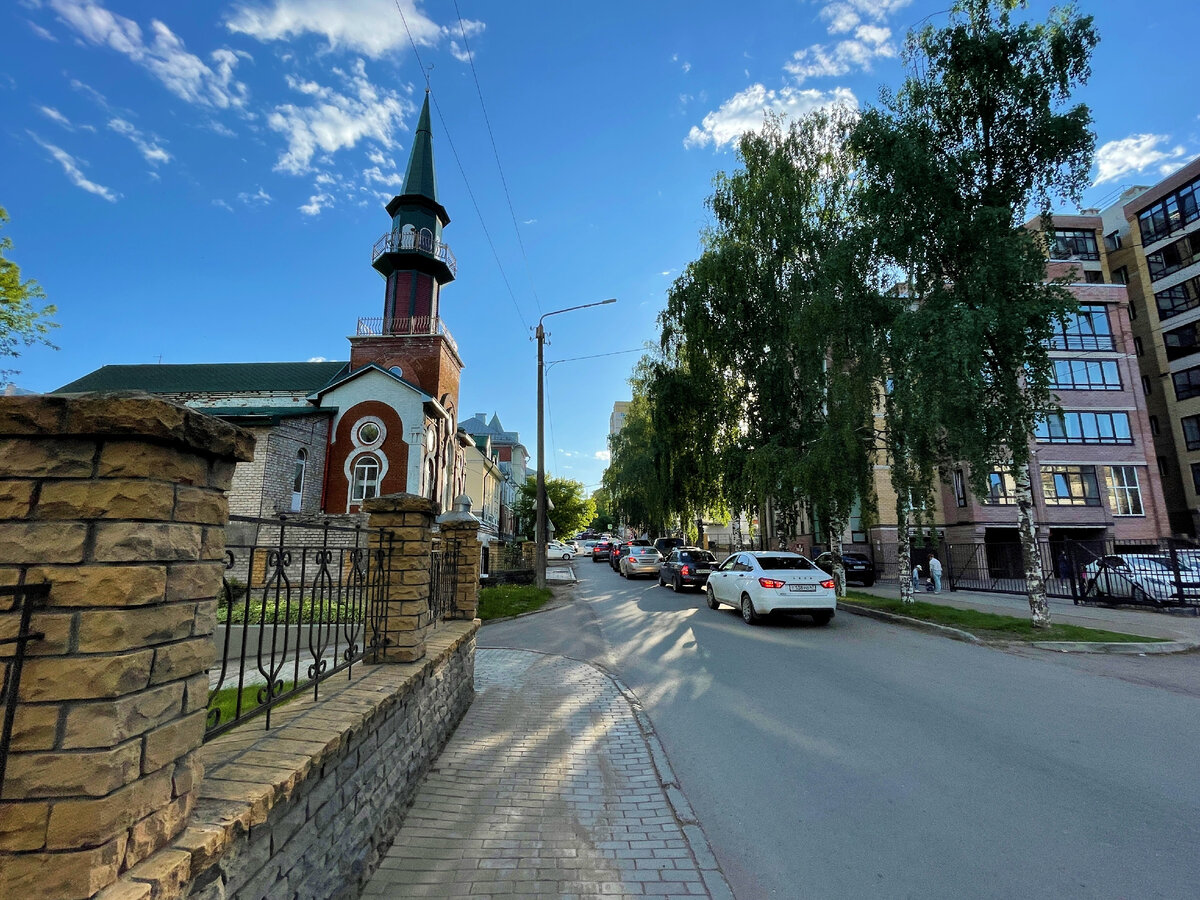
(698, 556)
(784, 562)
(854, 557)
(642, 551)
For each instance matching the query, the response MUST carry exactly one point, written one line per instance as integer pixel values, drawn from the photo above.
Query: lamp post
(539, 538)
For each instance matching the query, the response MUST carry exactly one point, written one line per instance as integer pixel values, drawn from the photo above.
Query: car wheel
(867, 582)
(678, 585)
(822, 616)
(711, 597)
(661, 583)
(749, 615)
(566, 556)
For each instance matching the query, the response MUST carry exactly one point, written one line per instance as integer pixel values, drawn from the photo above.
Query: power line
(495, 152)
(594, 356)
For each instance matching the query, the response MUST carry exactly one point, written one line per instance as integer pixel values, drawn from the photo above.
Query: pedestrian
(1064, 565)
(916, 576)
(935, 572)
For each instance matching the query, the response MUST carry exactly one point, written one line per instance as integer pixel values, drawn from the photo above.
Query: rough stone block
(165, 745)
(143, 542)
(182, 660)
(104, 723)
(212, 543)
(35, 543)
(23, 825)
(201, 505)
(109, 498)
(57, 458)
(84, 586)
(16, 499)
(133, 459)
(157, 829)
(194, 580)
(35, 726)
(166, 872)
(187, 774)
(125, 890)
(85, 677)
(89, 823)
(92, 773)
(196, 692)
(65, 876)
(55, 627)
(128, 629)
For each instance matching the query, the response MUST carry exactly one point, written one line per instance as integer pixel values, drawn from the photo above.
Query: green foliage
(302, 611)
(22, 324)
(572, 511)
(510, 600)
(604, 510)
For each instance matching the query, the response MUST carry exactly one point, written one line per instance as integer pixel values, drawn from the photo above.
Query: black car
(602, 550)
(858, 567)
(686, 567)
(665, 545)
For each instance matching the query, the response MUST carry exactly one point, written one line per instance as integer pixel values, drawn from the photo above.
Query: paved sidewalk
(554, 785)
(1172, 625)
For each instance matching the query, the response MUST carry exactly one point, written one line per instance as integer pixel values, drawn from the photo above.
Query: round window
(368, 433)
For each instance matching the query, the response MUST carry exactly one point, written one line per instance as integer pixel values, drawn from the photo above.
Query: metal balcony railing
(422, 241)
(417, 326)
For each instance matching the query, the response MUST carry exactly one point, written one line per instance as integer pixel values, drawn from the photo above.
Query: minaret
(412, 256)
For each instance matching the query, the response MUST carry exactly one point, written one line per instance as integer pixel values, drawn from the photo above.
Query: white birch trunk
(903, 556)
(1035, 580)
(835, 548)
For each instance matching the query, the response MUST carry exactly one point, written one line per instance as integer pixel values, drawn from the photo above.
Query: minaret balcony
(416, 242)
(405, 326)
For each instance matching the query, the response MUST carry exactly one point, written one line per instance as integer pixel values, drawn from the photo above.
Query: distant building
(616, 420)
(333, 434)
(513, 459)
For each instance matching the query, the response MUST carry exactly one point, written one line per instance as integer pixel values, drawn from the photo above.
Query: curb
(1118, 648)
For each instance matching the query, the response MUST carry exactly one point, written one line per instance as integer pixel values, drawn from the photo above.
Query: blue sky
(203, 182)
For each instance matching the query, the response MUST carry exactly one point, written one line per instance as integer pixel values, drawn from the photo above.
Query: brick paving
(554, 785)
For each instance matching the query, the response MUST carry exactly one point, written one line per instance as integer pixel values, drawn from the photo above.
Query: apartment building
(1152, 237)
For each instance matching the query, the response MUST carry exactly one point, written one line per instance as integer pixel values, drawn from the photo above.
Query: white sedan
(559, 550)
(761, 582)
(1142, 578)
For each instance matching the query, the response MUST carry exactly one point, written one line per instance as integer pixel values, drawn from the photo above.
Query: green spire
(419, 178)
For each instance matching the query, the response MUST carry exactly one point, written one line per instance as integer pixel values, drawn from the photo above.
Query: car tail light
(771, 582)
(827, 583)
(685, 570)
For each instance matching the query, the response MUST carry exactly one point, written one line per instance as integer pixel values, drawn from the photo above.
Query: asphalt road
(867, 760)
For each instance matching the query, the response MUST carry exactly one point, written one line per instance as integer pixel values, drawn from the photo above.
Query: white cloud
(370, 27)
(317, 359)
(55, 116)
(335, 120)
(150, 151)
(42, 32)
(529, 221)
(869, 42)
(1135, 153)
(70, 166)
(744, 112)
(374, 175)
(316, 203)
(259, 196)
(222, 205)
(602, 455)
(164, 56)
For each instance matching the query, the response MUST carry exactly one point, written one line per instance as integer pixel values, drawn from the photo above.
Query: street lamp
(539, 538)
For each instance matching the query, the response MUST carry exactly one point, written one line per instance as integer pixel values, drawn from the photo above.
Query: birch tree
(981, 134)
(22, 323)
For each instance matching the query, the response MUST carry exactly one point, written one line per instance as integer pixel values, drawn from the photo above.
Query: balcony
(421, 241)
(405, 326)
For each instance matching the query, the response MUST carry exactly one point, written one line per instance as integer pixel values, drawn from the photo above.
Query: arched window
(425, 240)
(298, 479)
(365, 482)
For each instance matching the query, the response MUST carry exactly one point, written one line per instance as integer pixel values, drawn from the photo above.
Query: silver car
(641, 561)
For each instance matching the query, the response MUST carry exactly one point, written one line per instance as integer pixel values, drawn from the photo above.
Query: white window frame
(1124, 497)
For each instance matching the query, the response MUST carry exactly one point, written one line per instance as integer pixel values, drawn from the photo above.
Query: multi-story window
(1124, 492)
(1002, 488)
(365, 483)
(1121, 276)
(960, 488)
(1154, 424)
(1073, 243)
(1196, 477)
(1191, 431)
(1169, 214)
(1187, 383)
(1173, 257)
(1091, 276)
(1178, 298)
(1084, 428)
(1087, 329)
(1070, 486)
(1182, 341)
(1085, 375)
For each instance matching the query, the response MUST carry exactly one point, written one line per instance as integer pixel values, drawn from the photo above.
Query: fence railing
(421, 241)
(17, 603)
(299, 603)
(418, 326)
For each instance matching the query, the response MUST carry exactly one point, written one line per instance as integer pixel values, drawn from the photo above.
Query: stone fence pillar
(462, 548)
(406, 522)
(118, 501)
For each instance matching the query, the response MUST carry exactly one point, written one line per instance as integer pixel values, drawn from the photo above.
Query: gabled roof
(346, 376)
(299, 377)
(478, 425)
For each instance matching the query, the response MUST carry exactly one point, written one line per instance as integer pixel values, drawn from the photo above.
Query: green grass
(511, 600)
(992, 627)
(226, 699)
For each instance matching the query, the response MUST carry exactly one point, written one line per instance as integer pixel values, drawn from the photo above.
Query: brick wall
(263, 486)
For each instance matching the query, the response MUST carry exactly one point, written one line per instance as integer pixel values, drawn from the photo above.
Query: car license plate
(802, 587)
(703, 571)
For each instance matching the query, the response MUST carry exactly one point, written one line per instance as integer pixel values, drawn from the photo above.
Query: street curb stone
(884, 616)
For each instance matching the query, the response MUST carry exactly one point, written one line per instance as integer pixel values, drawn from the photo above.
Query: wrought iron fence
(299, 603)
(374, 326)
(16, 611)
(443, 583)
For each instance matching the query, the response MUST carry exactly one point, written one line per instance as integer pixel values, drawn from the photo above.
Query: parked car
(858, 567)
(686, 567)
(574, 545)
(640, 561)
(622, 548)
(1140, 577)
(762, 582)
(665, 545)
(601, 550)
(559, 550)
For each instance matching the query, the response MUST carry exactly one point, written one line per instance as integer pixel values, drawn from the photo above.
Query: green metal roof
(274, 413)
(419, 179)
(300, 377)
